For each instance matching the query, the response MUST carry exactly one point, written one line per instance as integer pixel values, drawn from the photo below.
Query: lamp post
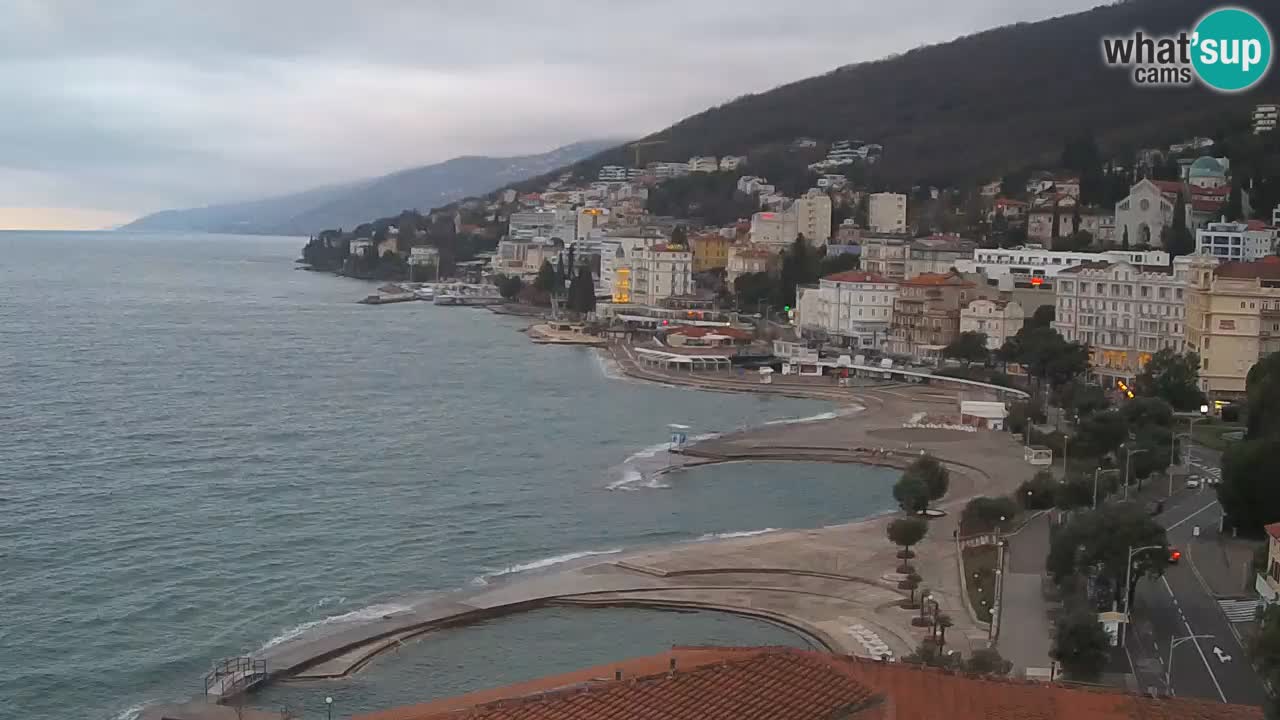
(1096, 473)
(1168, 668)
(1128, 582)
(1191, 428)
(328, 705)
(1128, 464)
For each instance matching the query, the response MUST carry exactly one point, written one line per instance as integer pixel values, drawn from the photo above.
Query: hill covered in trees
(976, 107)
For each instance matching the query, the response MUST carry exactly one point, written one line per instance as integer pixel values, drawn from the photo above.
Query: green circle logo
(1231, 49)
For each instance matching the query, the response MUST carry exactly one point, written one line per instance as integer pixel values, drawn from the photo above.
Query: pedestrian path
(1239, 611)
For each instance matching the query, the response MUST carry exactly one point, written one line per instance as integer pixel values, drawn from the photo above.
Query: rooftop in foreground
(772, 683)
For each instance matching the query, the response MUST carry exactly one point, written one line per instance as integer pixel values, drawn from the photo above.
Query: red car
(1174, 555)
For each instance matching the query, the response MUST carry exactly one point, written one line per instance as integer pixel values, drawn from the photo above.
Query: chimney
(671, 669)
(617, 675)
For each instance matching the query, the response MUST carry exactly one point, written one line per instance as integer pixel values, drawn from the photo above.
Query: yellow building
(710, 251)
(1233, 320)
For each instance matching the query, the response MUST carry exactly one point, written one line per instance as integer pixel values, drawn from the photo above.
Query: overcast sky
(115, 109)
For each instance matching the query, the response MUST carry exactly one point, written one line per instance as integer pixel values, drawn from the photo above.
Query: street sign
(1222, 657)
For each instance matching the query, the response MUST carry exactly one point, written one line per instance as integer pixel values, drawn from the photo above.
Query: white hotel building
(1022, 264)
(1226, 241)
(661, 271)
(853, 307)
(1125, 313)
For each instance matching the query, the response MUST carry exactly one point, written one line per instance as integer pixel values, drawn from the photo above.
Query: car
(1155, 507)
(1193, 483)
(1174, 555)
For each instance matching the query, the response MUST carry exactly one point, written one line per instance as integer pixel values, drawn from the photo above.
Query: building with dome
(1207, 173)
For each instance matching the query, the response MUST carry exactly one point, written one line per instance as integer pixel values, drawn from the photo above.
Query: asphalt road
(1179, 604)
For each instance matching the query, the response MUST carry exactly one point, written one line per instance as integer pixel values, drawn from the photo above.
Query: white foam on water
(326, 601)
(546, 563)
(736, 534)
(373, 612)
(133, 712)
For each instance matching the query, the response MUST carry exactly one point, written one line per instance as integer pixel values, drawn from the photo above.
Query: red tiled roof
(938, 279)
(1268, 268)
(1010, 202)
(1172, 187)
(1273, 530)
(724, 684)
(791, 684)
(857, 276)
(1206, 204)
(1258, 225)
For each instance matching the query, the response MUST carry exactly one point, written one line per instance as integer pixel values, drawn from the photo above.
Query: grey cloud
(138, 106)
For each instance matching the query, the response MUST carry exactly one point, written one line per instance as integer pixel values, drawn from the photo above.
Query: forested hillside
(978, 106)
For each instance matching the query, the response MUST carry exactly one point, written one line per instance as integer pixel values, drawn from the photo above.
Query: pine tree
(1124, 242)
(1235, 205)
(1177, 239)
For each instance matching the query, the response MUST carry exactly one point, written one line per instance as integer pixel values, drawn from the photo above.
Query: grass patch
(980, 578)
(1209, 434)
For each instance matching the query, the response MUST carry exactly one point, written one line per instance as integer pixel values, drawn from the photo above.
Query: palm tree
(942, 622)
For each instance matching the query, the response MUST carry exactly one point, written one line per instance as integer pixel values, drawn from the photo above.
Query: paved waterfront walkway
(822, 581)
(1026, 614)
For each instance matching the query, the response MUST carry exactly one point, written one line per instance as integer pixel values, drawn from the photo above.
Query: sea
(206, 450)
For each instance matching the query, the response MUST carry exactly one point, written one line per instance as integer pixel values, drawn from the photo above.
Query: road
(1180, 604)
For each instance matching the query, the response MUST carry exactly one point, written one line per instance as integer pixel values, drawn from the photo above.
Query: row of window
(1118, 290)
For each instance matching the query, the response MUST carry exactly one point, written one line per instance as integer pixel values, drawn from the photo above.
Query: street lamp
(1128, 463)
(1097, 472)
(1173, 643)
(328, 704)
(1191, 428)
(1128, 582)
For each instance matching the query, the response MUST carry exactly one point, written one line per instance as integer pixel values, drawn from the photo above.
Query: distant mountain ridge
(349, 204)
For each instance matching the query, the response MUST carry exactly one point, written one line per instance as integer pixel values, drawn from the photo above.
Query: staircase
(233, 676)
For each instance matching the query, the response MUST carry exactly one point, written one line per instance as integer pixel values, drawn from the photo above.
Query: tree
(1264, 647)
(932, 472)
(1081, 645)
(1234, 210)
(546, 280)
(1038, 493)
(906, 532)
(1173, 377)
(1146, 412)
(754, 289)
(582, 292)
(509, 286)
(840, 262)
(1098, 542)
(983, 514)
(987, 661)
(1101, 433)
(930, 654)
(1249, 493)
(862, 211)
(680, 236)
(1042, 317)
(912, 494)
(969, 346)
(941, 623)
(1179, 240)
(1074, 493)
(799, 267)
(1262, 388)
(1124, 241)
(1080, 398)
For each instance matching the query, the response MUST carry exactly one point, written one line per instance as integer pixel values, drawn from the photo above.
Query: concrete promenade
(821, 582)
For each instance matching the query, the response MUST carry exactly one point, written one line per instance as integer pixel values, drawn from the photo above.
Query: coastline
(759, 573)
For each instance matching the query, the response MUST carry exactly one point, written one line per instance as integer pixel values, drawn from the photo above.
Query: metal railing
(234, 675)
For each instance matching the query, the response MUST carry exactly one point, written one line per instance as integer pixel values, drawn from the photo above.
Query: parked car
(1193, 483)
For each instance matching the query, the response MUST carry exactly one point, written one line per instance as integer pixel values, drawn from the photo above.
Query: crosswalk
(1239, 611)
(1213, 473)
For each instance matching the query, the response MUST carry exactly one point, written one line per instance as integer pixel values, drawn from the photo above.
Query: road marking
(1222, 657)
(1183, 520)
(1203, 659)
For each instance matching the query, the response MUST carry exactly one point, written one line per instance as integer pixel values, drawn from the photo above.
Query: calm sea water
(203, 449)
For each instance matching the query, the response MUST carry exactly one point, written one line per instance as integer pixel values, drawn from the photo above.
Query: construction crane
(644, 143)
